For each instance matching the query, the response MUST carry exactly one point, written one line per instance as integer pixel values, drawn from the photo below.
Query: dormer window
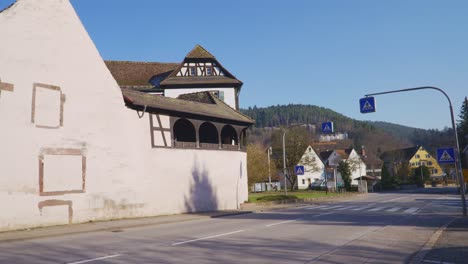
(209, 70)
(192, 71)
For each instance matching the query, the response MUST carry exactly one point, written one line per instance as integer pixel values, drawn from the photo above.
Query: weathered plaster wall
(93, 158)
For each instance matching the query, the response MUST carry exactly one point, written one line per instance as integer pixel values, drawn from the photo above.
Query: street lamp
(458, 169)
(269, 170)
(284, 157)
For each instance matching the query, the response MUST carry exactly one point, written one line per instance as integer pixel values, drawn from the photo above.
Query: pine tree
(462, 130)
(462, 126)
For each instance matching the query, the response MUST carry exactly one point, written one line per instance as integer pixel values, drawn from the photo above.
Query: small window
(428, 156)
(193, 71)
(417, 156)
(209, 71)
(221, 95)
(430, 163)
(303, 181)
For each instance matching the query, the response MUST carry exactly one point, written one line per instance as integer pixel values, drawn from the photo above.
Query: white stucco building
(77, 148)
(333, 157)
(314, 169)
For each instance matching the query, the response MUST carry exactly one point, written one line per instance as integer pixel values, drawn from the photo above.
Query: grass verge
(277, 196)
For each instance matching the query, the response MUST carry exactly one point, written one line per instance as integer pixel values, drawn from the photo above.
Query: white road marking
(394, 199)
(346, 208)
(335, 207)
(284, 222)
(94, 259)
(359, 208)
(322, 206)
(438, 262)
(411, 210)
(376, 209)
(394, 209)
(204, 238)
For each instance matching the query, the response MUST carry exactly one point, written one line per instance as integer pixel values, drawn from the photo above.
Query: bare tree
(257, 163)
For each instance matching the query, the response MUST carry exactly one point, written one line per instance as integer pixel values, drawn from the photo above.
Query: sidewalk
(112, 225)
(452, 245)
(117, 225)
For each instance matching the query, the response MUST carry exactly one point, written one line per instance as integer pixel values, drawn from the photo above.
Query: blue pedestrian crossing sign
(327, 127)
(445, 155)
(299, 170)
(367, 104)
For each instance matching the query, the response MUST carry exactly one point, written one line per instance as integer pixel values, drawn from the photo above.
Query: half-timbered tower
(199, 71)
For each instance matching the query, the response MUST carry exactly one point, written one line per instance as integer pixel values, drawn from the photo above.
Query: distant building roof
(399, 155)
(324, 155)
(201, 105)
(344, 153)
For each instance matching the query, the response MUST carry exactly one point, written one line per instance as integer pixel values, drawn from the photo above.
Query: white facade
(71, 151)
(358, 167)
(314, 169)
(229, 94)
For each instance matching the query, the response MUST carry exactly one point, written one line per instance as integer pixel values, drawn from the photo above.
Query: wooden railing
(213, 146)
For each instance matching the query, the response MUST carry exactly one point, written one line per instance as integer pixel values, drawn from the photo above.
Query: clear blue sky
(327, 53)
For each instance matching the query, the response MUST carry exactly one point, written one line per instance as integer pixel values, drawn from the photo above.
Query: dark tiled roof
(324, 155)
(201, 97)
(202, 80)
(399, 155)
(128, 73)
(217, 109)
(199, 53)
(344, 153)
(372, 159)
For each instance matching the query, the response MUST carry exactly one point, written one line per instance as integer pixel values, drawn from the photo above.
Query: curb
(231, 214)
(429, 245)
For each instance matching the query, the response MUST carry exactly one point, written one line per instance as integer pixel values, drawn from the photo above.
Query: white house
(333, 157)
(77, 148)
(314, 169)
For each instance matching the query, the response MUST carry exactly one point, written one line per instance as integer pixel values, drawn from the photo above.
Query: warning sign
(445, 156)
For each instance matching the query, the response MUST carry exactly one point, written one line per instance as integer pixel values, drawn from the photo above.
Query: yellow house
(423, 158)
(415, 157)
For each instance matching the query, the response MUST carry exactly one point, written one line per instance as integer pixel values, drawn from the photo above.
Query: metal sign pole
(284, 164)
(458, 169)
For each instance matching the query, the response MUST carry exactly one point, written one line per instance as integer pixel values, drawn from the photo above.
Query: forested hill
(385, 135)
(281, 115)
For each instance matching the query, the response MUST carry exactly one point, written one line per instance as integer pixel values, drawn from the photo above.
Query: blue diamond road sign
(299, 170)
(445, 155)
(367, 105)
(327, 127)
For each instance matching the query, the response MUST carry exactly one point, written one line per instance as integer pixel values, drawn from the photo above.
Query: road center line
(94, 259)
(204, 238)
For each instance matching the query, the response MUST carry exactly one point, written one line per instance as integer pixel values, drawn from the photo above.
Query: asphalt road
(380, 228)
